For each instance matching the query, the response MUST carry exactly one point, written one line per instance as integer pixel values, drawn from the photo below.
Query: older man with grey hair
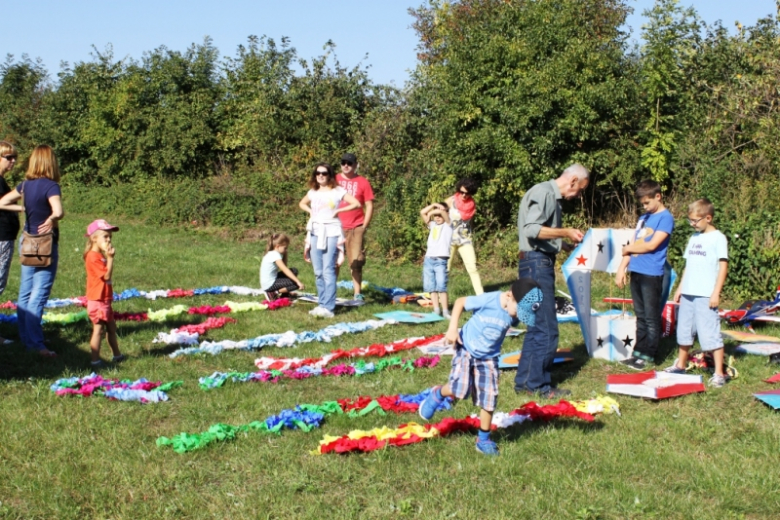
(541, 239)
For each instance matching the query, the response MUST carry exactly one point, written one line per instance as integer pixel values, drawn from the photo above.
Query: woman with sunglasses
(462, 209)
(9, 220)
(324, 234)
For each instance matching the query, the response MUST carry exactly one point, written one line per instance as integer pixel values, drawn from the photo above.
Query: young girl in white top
(275, 277)
(324, 229)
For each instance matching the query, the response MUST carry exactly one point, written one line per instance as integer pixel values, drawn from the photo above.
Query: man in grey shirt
(541, 238)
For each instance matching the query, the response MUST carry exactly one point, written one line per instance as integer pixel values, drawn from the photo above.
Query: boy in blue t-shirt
(644, 258)
(706, 263)
(475, 364)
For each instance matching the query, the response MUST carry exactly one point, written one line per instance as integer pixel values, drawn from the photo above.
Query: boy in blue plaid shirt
(475, 363)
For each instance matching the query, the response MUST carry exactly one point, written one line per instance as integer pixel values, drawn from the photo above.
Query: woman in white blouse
(324, 230)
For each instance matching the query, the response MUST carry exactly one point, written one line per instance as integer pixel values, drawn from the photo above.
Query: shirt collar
(556, 189)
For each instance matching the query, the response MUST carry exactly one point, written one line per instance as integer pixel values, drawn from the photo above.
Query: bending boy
(475, 364)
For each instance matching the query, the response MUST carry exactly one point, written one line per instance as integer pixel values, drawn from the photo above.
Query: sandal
(44, 352)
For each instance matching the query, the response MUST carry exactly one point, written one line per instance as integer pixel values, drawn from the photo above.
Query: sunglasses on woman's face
(325, 173)
(9, 158)
(465, 193)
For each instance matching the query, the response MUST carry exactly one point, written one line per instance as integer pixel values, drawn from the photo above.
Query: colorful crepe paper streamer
(375, 350)
(360, 368)
(304, 417)
(127, 294)
(141, 390)
(165, 314)
(287, 339)
(411, 433)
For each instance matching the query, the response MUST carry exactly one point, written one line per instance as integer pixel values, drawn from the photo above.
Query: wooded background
(505, 91)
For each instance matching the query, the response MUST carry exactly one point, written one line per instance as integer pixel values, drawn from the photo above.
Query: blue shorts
(695, 318)
(475, 377)
(435, 274)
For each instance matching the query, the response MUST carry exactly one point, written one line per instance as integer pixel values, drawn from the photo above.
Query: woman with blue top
(43, 207)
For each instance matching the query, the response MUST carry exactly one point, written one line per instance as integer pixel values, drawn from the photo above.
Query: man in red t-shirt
(355, 222)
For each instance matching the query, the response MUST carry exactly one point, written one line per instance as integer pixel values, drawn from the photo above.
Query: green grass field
(709, 455)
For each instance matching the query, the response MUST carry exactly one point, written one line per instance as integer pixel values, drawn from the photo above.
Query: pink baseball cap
(100, 225)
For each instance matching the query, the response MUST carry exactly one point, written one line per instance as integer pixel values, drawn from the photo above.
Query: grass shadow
(500, 286)
(564, 423)
(562, 372)
(18, 363)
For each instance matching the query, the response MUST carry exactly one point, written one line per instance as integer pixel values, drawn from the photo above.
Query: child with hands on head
(706, 265)
(436, 217)
(477, 347)
(99, 261)
(275, 277)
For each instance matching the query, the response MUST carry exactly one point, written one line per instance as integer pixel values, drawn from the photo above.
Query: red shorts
(100, 311)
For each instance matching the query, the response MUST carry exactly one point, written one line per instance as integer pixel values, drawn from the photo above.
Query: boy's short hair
(647, 188)
(444, 205)
(702, 207)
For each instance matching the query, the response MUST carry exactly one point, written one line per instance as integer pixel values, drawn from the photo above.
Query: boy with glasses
(706, 265)
(355, 222)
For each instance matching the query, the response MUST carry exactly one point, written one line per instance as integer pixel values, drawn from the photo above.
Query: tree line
(508, 92)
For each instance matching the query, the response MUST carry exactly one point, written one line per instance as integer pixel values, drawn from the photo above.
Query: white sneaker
(321, 312)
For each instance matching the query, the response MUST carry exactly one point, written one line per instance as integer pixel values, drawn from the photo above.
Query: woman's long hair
(313, 184)
(43, 163)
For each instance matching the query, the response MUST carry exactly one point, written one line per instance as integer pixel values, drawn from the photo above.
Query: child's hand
(301, 287)
(451, 337)
(677, 295)
(620, 279)
(714, 301)
(110, 251)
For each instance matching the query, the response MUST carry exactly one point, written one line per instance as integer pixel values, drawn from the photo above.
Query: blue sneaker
(359, 297)
(430, 405)
(487, 447)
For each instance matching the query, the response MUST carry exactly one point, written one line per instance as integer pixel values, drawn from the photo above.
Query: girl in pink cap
(99, 261)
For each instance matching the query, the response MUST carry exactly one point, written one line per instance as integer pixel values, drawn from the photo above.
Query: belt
(522, 255)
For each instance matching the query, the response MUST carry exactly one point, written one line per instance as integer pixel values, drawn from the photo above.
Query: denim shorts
(695, 318)
(435, 274)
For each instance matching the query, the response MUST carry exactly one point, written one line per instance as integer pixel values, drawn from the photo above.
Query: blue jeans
(541, 340)
(646, 292)
(324, 263)
(435, 274)
(34, 290)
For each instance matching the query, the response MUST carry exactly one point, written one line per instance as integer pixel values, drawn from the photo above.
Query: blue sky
(56, 30)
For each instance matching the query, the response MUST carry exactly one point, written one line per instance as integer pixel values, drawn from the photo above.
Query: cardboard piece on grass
(601, 250)
(771, 397)
(758, 349)
(512, 359)
(654, 385)
(409, 317)
(340, 302)
(774, 379)
(748, 337)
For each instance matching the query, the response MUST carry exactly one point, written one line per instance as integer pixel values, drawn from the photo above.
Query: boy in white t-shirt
(706, 265)
(437, 219)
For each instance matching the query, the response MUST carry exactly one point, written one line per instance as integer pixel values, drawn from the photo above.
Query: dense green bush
(506, 91)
